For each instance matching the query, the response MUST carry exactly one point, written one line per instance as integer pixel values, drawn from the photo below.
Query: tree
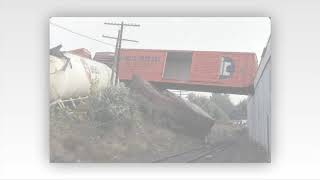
(220, 106)
(223, 101)
(240, 110)
(208, 105)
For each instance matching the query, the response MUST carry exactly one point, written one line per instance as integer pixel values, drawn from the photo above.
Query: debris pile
(176, 113)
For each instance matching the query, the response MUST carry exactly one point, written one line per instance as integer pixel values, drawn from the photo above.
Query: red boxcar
(209, 71)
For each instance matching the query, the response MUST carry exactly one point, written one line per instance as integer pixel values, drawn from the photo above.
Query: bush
(113, 104)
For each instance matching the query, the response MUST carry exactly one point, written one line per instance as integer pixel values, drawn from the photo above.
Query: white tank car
(73, 78)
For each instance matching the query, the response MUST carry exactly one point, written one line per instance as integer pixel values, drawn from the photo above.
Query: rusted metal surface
(104, 57)
(81, 52)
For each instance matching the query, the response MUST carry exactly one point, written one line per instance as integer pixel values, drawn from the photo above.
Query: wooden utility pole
(115, 65)
(114, 61)
(118, 52)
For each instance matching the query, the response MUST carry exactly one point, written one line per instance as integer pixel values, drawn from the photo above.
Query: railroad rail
(195, 154)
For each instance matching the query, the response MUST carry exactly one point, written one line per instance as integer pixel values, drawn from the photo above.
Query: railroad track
(194, 155)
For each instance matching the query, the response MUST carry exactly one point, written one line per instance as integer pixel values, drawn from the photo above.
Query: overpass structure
(205, 71)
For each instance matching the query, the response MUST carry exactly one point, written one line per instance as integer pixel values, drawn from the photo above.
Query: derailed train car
(206, 71)
(72, 75)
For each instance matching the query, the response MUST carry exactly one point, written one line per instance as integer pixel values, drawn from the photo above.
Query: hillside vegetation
(112, 126)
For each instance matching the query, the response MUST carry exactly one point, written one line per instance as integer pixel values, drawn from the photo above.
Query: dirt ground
(81, 140)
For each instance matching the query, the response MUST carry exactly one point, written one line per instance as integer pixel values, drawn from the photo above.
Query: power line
(82, 35)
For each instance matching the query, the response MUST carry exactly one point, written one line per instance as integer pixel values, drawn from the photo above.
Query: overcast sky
(249, 34)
